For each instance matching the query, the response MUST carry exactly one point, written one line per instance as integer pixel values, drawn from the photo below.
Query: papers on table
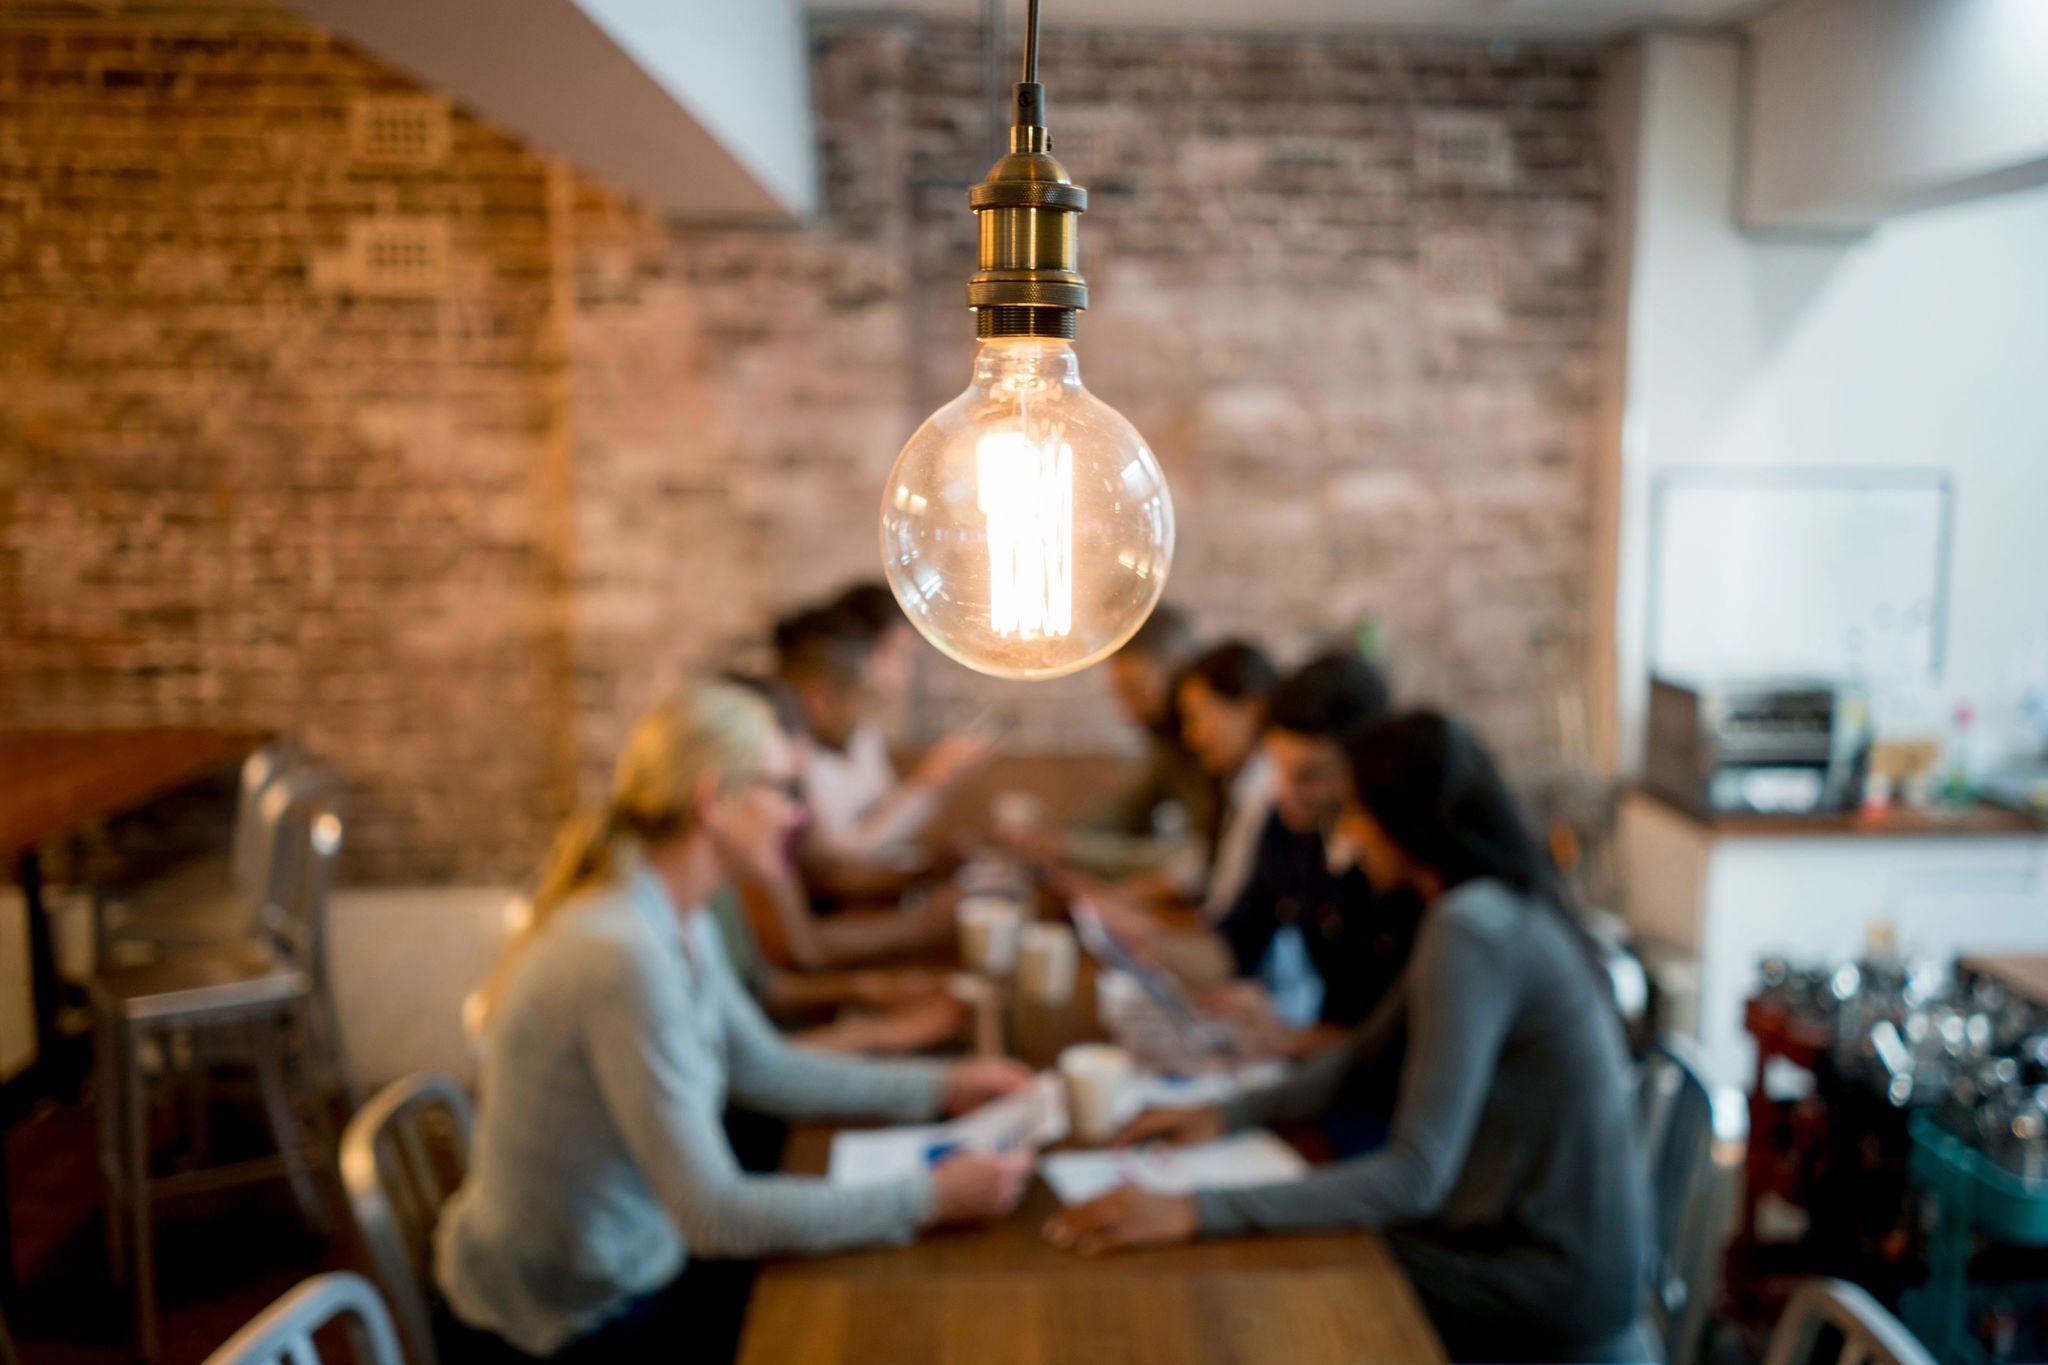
(1253, 1158)
(1036, 1116)
(1033, 1117)
(1206, 1087)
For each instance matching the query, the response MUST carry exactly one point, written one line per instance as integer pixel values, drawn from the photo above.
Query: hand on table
(978, 1187)
(914, 1025)
(971, 1084)
(952, 758)
(881, 990)
(1126, 1217)
(1175, 1127)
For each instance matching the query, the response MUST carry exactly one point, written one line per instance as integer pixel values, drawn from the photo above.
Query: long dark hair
(1431, 785)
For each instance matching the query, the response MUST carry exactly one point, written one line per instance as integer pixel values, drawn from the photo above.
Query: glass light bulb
(1026, 528)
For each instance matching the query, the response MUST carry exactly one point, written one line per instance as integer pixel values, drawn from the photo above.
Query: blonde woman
(615, 1031)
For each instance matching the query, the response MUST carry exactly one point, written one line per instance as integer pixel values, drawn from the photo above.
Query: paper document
(1253, 1158)
(1033, 1117)
(1205, 1087)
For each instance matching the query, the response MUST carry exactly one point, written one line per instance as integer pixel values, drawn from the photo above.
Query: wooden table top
(1899, 820)
(1002, 1295)
(2024, 974)
(53, 781)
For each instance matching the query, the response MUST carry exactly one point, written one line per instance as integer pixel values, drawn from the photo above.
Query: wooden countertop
(1900, 821)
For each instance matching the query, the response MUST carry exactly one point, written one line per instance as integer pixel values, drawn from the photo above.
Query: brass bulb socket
(1029, 282)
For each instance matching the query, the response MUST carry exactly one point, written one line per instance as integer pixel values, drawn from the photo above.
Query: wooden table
(53, 782)
(1002, 1296)
(2024, 974)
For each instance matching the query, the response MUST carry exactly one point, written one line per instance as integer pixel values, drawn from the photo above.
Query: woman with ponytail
(614, 1033)
(1510, 1187)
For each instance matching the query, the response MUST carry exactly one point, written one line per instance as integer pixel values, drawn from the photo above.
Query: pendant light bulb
(1026, 528)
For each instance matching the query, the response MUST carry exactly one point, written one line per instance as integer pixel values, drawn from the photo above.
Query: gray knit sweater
(1511, 1180)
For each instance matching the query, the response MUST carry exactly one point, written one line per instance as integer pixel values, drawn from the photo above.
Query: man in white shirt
(865, 821)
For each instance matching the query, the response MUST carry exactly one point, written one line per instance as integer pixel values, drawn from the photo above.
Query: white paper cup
(984, 1000)
(1046, 956)
(989, 926)
(1096, 1077)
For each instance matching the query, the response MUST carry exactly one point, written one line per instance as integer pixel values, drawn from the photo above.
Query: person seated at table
(1136, 829)
(615, 1036)
(1511, 1189)
(1222, 699)
(870, 609)
(865, 821)
(1309, 924)
(786, 953)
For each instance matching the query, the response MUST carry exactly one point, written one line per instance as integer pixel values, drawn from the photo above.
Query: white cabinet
(1731, 892)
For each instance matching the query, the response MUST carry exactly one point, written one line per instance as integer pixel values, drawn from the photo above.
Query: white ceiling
(1476, 18)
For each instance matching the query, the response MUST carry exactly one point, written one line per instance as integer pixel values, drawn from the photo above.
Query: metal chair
(1870, 1335)
(282, 1334)
(209, 900)
(248, 993)
(396, 1188)
(1688, 1194)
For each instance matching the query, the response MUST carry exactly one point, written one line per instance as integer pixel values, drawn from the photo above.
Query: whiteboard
(1835, 574)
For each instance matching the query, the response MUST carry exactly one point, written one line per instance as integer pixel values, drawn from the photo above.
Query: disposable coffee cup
(1096, 1077)
(984, 1001)
(989, 927)
(1046, 957)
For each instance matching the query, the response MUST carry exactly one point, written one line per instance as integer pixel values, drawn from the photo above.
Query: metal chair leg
(284, 1126)
(108, 1120)
(135, 1119)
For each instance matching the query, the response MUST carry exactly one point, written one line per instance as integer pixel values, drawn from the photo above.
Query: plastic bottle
(1959, 758)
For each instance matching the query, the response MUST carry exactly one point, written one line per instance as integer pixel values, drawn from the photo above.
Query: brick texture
(233, 492)
(1347, 289)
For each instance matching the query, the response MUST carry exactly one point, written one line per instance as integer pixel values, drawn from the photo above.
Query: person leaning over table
(1308, 923)
(615, 1035)
(1122, 835)
(866, 821)
(1222, 699)
(791, 952)
(1510, 1189)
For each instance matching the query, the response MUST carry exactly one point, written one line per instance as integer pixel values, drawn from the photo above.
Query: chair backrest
(302, 814)
(1870, 1335)
(253, 843)
(402, 1155)
(1689, 1195)
(282, 1334)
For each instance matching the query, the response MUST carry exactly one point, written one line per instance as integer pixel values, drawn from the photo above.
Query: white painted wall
(1861, 108)
(744, 70)
(402, 960)
(1924, 344)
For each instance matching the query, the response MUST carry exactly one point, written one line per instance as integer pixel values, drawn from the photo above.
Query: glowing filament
(1026, 491)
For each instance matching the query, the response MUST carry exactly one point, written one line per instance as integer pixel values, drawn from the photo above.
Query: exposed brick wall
(1346, 288)
(233, 491)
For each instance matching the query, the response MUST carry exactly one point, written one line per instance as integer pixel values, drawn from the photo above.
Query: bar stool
(208, 900)
(256, 994)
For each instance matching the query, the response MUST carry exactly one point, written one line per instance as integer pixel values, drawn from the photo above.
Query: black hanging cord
(1031, 43)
